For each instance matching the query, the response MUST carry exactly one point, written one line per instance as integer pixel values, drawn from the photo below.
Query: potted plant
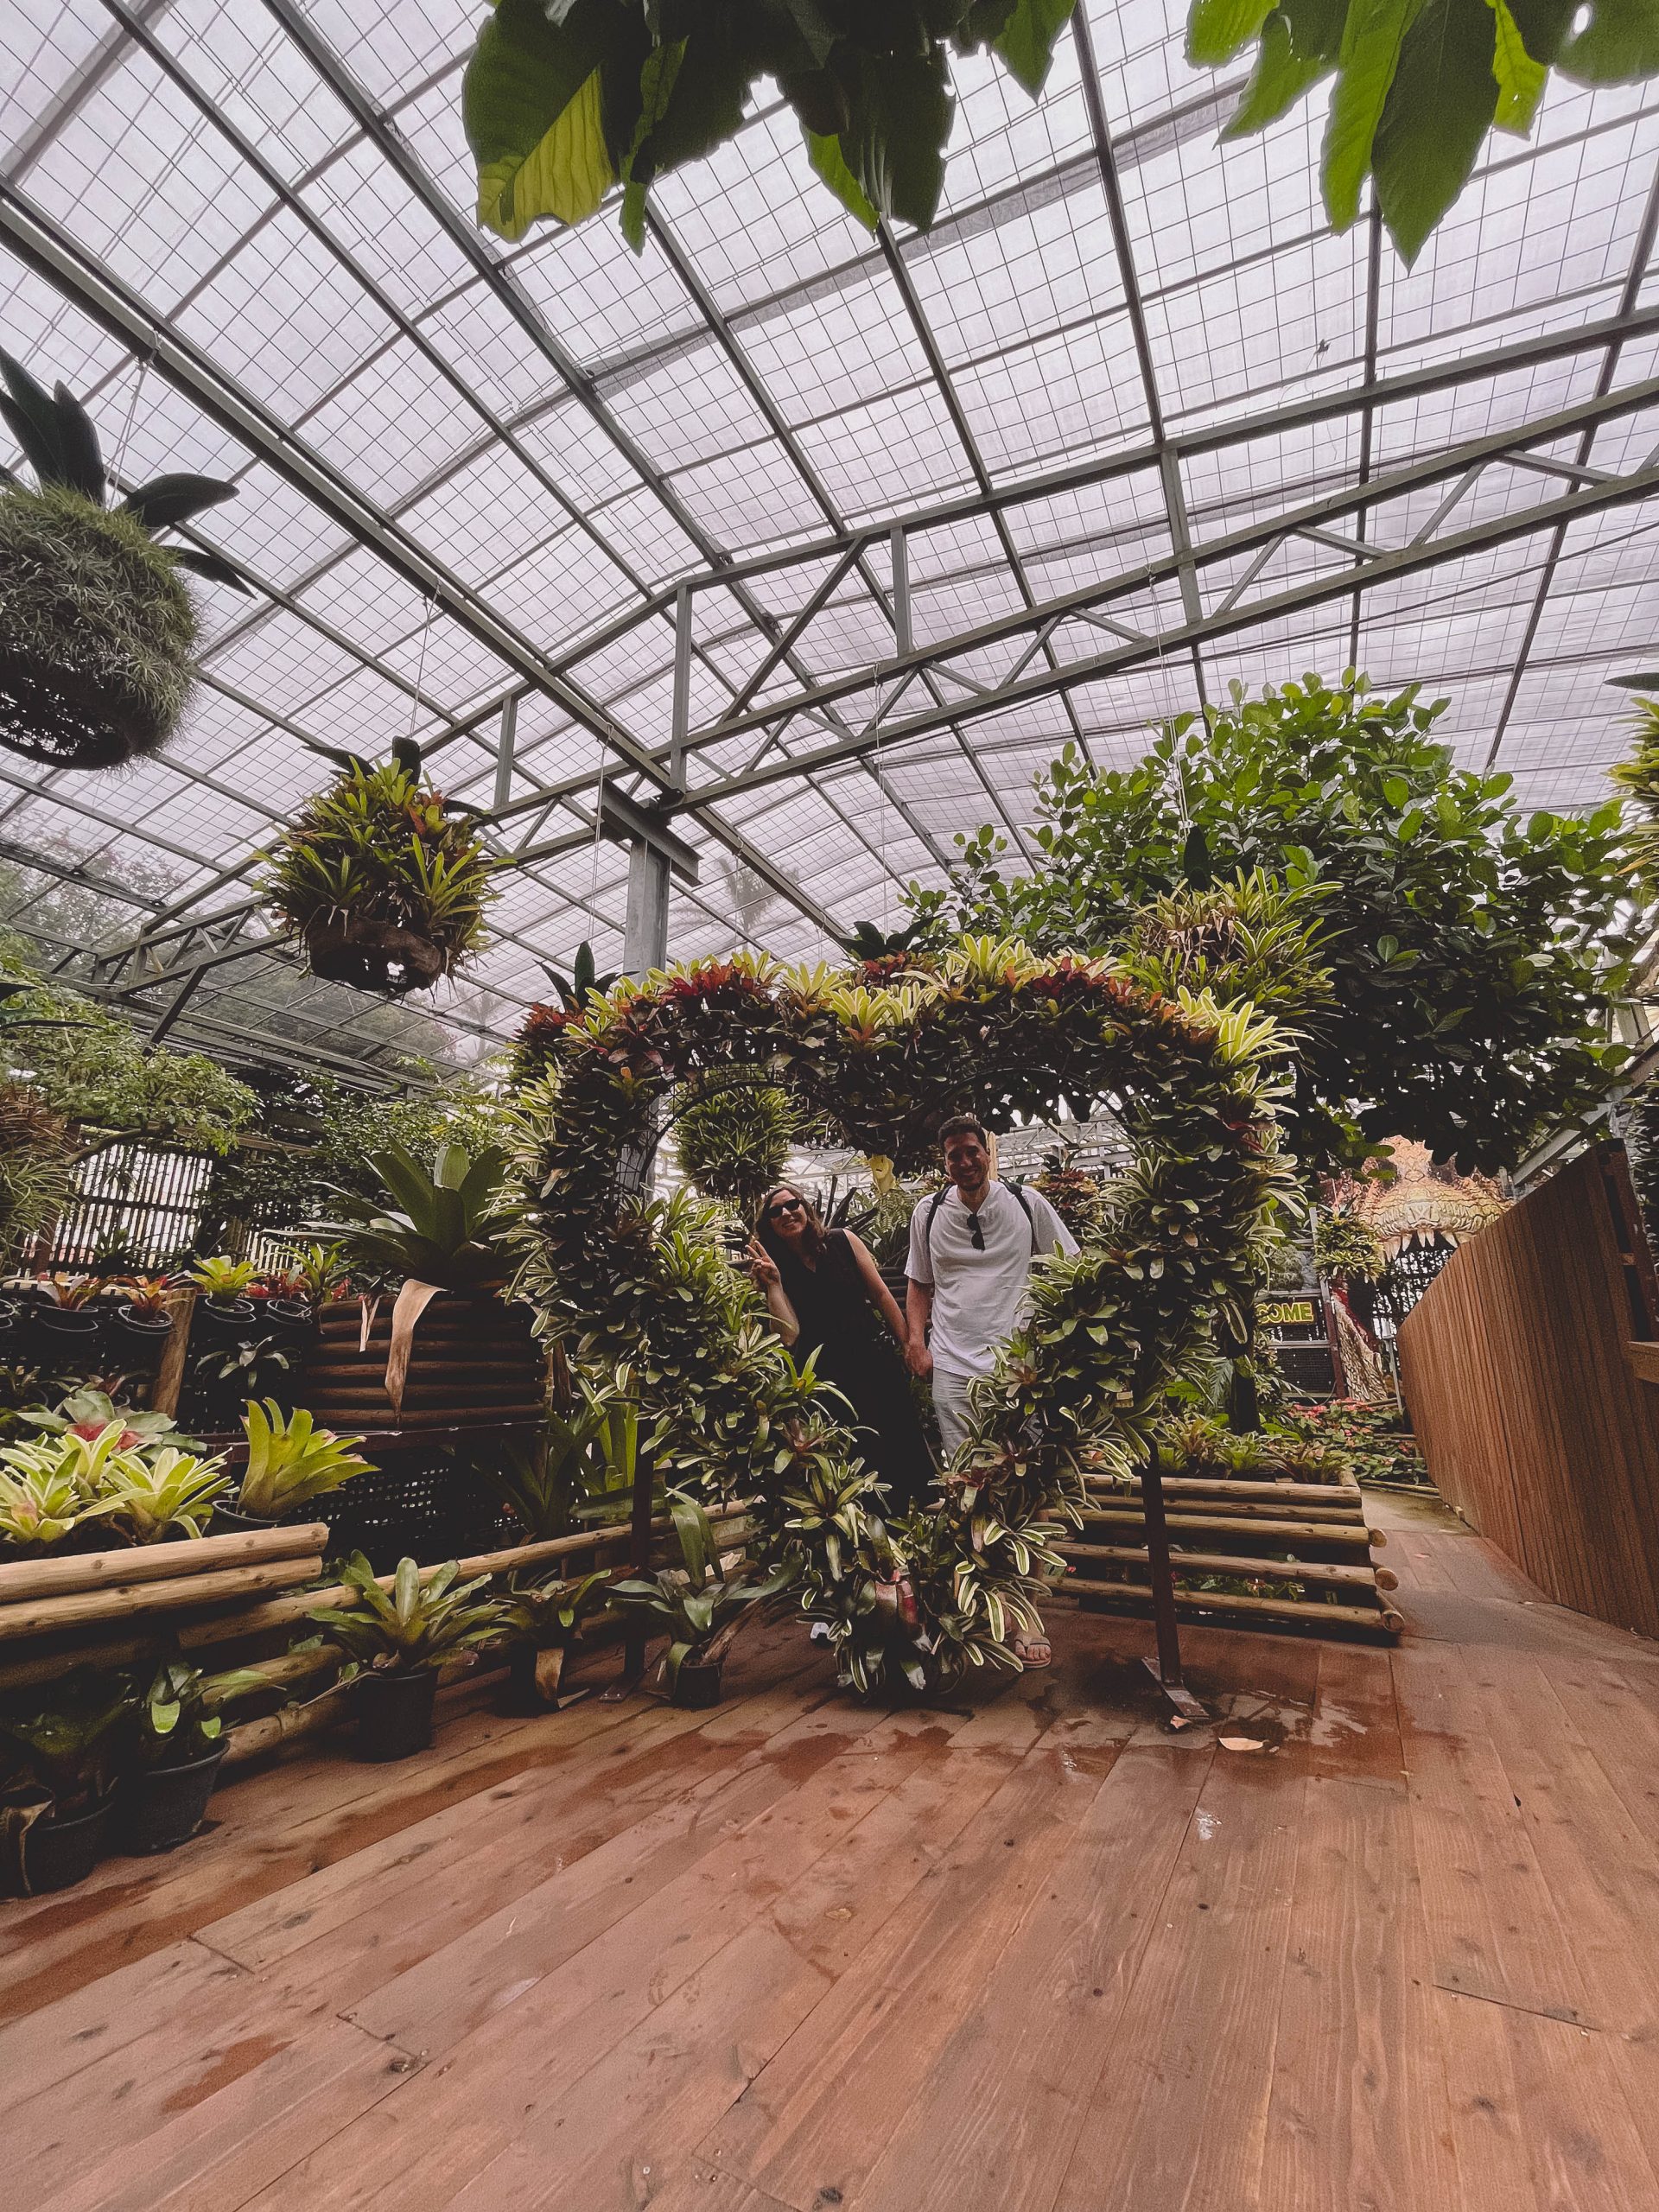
(179, 1744)
(700, 1608)
(86, 1413)
(225, 1305)
(174, 1493)
(439, 1229)
(398, 1639)
(97, 630)
(41, 1505)
(290, 1462)
(64, 1311)
(61, 1745)
(545, 1613)
(385, 887)
(52, 1486)
(144, 1311)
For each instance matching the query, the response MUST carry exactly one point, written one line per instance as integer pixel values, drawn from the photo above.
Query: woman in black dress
(825, 1295)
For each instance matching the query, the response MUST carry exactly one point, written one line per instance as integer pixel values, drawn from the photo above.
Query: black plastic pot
(394, 1713)
(290, 1319)
(58, 1854)
(147, 1328)
(67, 1325)
(227, 1522)
(697, 1684)
(223, 1318)
(162, 1806)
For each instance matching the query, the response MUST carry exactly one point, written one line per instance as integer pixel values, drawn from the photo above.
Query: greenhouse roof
(586, 521)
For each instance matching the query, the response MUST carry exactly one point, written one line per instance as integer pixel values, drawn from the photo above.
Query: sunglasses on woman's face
(784, 1206)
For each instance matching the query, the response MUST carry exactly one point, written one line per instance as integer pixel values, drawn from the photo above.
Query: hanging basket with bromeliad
(97, 630)
(385, 883)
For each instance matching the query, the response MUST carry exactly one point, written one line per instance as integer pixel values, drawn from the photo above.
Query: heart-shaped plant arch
(883, 1058)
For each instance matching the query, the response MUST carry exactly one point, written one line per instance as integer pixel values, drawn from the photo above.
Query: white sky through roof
(569, 431)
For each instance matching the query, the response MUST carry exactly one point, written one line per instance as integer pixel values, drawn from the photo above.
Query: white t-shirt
(977, 1296)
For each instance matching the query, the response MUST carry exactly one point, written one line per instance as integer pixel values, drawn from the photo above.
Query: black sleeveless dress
(855, 1351)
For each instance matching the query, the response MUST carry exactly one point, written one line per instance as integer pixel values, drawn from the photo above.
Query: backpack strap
(1019, 1189)
(939, 1198)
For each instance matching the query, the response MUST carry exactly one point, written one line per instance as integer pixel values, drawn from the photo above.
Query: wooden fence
(1531, 1373)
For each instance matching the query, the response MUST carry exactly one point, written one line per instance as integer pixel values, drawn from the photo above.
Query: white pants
(951, 1408)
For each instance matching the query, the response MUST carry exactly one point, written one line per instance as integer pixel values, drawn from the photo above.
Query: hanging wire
(420, 666)
(144, 360)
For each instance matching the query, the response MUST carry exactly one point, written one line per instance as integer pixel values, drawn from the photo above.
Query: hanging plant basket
(371, 954)
(384, 886)
(97, 630)
(96, 633)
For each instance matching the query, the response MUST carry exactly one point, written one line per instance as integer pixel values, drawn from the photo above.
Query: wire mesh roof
(1148, 425)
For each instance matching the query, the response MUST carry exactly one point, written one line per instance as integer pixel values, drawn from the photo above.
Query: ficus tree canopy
(565, 100)
(1469, 949)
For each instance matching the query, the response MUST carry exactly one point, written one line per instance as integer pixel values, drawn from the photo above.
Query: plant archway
(883, 1057)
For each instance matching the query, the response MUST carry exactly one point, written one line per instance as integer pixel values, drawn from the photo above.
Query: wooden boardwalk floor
(1026, 1953)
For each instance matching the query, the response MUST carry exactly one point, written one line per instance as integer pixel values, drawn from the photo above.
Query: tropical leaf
(533, 110)
(174, 498)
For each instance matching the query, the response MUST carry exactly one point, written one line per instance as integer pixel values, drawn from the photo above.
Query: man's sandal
(1026, 1649)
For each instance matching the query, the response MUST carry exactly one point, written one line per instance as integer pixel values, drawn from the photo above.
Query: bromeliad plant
(151, 1496)
(223, 1278)
(699, 1607)
(97, 630)
(291, 1461)
(416, 1625)
(545, 1612)
(443, 1224)
(385, 885)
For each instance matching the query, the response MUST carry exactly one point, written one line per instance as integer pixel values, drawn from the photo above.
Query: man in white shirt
(971, 1250)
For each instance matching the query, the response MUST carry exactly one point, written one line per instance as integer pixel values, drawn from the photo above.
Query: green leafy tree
(92, 1069)
(1471, 950)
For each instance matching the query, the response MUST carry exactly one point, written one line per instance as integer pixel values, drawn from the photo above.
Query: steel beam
(1379, 567)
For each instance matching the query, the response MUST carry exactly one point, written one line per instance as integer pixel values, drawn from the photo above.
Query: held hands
(762, 1266)
(920, 1358)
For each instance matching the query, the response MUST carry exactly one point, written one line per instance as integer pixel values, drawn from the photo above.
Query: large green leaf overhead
(566, 99)
(1419, 84)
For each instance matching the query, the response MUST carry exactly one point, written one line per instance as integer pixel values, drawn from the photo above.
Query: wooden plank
(1191, 1562)
(1494, 1928)
(661, 2019)
(1335, 1534)
(212, 2151)
(1541, 2112)
(1357, 2113)
(998, 2113)
(1180, 2118)
(1300, 1611)
(1355, 1734)
(821, 2113)
(40, 1615)
(1521, 1374)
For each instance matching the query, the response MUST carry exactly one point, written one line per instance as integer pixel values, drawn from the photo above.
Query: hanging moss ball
(97, 632)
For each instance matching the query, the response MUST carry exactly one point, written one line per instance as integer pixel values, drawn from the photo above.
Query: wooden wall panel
(1521, 1390)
